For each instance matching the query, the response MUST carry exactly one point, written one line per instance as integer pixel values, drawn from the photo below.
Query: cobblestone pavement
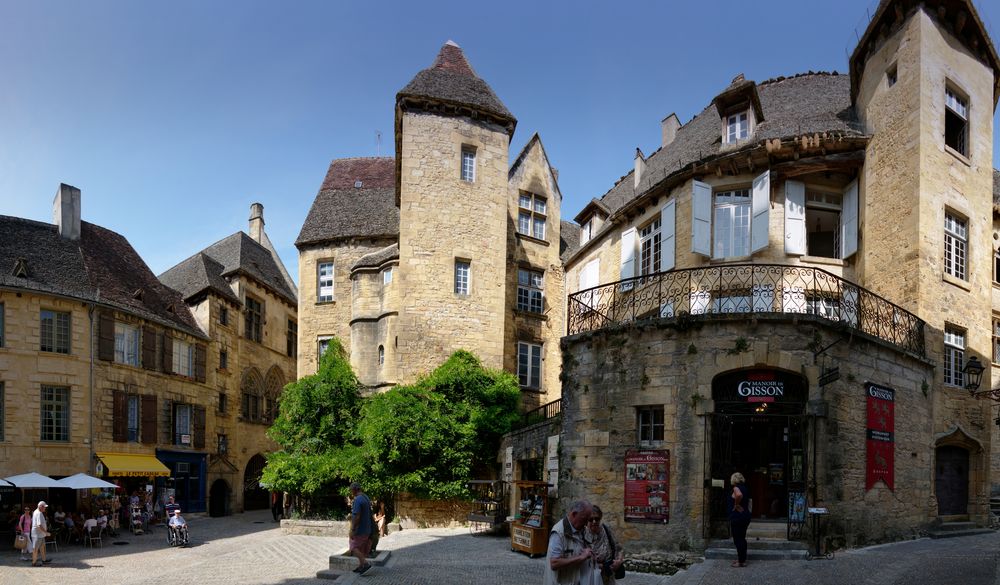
(250, 549)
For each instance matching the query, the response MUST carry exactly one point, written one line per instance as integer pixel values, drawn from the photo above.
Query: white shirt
(39, 526)
(177, 521)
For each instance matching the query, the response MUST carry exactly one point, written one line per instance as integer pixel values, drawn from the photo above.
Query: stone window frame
(223, 358)
(650, 238)
(381, 356)
(891, 75)
(526, 379)
(532, 215)
(530, 290)
(178, 431)
(732, 202)
(224, 316)
(953, 356)
(821, 199)
(223, 404)
(292, 339)
(956, 136)
(128, 344)
(463, 277)
(387, 276)
(54, 411)
(467, 163)
(956, 245)
(55, 337)
(646, 419)
(320, 350)
(320, 278)
(133, 406)
(182, 354)
(737, 126)
(254, 325)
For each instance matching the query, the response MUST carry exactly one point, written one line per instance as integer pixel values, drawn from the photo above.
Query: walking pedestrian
(24, 527)
(361, 527)
(39, 530)
(739, 505)
(570, 560)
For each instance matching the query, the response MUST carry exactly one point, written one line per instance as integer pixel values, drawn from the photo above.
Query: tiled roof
(342, 210)
(376, 259)
(101, 267)
(238, 253)
(811, 103)
(450, 79)
(569, 239)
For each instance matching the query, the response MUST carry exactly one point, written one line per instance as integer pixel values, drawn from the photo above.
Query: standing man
(276, 505)
(39, 530)
(361, 527)
(170, 508)
(570, 559)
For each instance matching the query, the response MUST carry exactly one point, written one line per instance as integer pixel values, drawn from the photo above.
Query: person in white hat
(39, 530)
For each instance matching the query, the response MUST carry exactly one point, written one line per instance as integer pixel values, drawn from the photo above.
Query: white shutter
(760, 206)
(849, 220)
(668, 236)
(589, 275)
(701, 218)
(628, 256)
(795, 218)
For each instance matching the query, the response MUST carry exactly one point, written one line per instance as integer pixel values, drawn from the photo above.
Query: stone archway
(956, 467)
(218, 498)
(254, 496)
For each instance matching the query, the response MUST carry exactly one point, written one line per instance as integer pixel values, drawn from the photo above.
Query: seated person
(59, 516)
(102, 519)
(90, 526)
(179, 526)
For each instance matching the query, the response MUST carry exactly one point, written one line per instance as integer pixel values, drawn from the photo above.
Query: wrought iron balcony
(745, 289)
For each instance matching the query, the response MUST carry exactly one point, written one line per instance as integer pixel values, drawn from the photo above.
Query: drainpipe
(90, 314)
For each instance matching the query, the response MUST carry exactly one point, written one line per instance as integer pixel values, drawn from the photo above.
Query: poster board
(879, 436)
(647, 486)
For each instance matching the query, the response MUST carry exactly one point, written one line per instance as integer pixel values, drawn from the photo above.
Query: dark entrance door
(218, 502)
(254, 496)
(951, 481)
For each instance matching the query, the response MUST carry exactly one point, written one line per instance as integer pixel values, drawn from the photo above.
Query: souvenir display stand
(489, 511)
(529, 531)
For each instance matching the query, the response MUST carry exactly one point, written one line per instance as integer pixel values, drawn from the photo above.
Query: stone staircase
(765, 541)
(953, 528)
(342, 567)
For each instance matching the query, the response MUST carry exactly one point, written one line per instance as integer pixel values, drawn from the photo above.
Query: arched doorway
(254, 496)
(218, 502)
(951, 480)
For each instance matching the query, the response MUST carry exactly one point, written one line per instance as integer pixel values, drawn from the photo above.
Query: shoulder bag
(620, 571)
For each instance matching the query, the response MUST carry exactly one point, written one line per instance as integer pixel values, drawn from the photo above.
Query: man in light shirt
(39, 530)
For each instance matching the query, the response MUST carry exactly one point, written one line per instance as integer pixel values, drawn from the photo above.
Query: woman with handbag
(608, 557)
(23, 537)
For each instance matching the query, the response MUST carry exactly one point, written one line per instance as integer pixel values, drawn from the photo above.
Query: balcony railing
(540, 414)
(745, 289)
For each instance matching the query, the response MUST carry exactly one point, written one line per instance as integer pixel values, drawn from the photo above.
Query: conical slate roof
(450, 80)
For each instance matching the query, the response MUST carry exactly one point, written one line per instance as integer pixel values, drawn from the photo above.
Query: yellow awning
(129, 465)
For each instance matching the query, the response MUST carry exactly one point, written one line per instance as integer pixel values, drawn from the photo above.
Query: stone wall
(414, 512)
(664, 363)
(373, 324)
(444, 219)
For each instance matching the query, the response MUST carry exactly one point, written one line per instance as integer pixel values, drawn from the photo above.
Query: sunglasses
(595, 520)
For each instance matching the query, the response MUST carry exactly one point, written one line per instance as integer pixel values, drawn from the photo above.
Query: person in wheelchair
(177, 533)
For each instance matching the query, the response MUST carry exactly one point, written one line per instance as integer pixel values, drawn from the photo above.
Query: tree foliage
(426, 438)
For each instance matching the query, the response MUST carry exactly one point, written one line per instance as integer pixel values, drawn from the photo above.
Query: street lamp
(973, 372)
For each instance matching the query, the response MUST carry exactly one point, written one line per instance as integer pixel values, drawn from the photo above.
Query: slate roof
(569, 239)
(376, 259)
(236, 254)
(342, 210)
(451, 80)
(809, 103)
(101, 267)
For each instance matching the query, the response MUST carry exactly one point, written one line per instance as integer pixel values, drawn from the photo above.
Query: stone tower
(452, 140)
(924, 83)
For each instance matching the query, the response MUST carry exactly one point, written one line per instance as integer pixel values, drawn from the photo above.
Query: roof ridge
(27, 221)
(809, 73)
(452, 58)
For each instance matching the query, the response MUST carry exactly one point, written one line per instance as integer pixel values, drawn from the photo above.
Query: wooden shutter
(148, 422)
(668, 236)
(199, 363)
(168, 412)
(198, 422)
(168, 354)
(760, 205)
(628, 256)
(795, 217)
(849, 220)
(149, 348)
(119, 422)
(701, 218)
(106, 336)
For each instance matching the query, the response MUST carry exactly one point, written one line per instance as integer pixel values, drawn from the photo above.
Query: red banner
(880, 439)
(647, 486)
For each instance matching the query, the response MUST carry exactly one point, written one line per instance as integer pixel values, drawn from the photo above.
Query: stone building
(102, 367)
(107, 370)
(243, 299)
(446, 246)
(791, 287)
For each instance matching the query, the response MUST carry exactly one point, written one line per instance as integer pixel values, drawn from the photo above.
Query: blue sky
(172, 117)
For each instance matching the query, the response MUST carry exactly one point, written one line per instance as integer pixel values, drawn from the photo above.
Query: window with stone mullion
(54, 407)
(955, 246)
(954, 355)
(529, 291)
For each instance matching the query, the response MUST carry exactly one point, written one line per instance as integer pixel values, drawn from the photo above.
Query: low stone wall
(417, 513)
(316, 527)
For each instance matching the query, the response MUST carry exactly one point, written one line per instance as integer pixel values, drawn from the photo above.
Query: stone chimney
(256, 222)
(669, 127)
(640, 167)
(66, 211)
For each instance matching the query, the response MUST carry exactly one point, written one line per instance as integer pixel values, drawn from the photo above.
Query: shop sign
(508, 465)
(758, 386)
(880, 435)
(647, 486)
(761, 387)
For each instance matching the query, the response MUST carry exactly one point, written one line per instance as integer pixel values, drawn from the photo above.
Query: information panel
(879, 434)
(647, 486)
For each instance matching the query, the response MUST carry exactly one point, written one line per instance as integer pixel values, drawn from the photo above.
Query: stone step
(763, 544)
(692, 574)
(954, 526)
(757, 554)
(331, 575)
(342, 566)
(767, 530)
(955, 533)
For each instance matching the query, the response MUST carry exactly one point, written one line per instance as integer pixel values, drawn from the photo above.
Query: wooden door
(951, 481)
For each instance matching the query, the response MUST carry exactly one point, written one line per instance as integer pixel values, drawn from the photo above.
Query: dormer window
(586, 231)
(737, 127)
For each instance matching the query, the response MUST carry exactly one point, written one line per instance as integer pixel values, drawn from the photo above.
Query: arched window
(251, 394)
(381, 355)
(273, 385)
